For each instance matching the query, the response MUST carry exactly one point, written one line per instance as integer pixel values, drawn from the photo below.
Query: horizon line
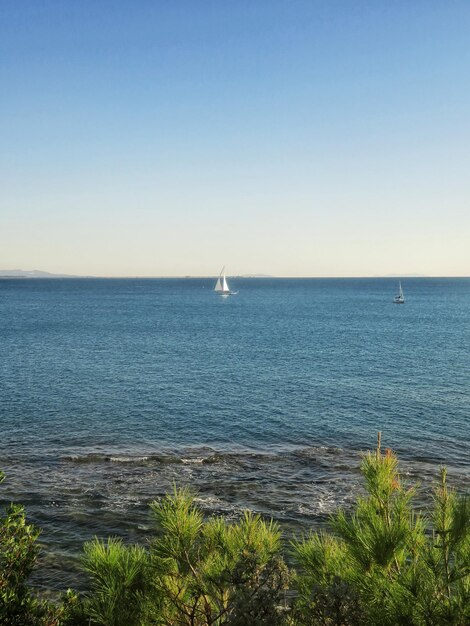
(197, 276)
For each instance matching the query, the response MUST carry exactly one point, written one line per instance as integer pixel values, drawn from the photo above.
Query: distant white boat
(221, 286)
(399, 298)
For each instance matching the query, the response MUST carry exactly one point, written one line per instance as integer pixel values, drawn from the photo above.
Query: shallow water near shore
(114, 390)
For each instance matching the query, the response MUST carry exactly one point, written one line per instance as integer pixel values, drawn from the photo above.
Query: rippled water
(113, 390)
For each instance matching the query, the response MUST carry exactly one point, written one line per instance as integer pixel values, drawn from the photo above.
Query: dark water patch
(300, 489)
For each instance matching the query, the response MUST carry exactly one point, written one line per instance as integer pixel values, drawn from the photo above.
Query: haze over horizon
(35, 273)
(283, 138)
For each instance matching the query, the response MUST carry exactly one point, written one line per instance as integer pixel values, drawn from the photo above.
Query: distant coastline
(34, 274)
(38, 274)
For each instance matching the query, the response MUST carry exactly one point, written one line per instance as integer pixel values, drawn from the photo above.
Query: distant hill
(31, 274)
(41, 274)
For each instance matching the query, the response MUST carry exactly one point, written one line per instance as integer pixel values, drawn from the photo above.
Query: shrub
(214, 573)
(18, 554)
(119, 582)
(385, 563)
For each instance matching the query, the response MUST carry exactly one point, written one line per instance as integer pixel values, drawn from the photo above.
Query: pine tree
(212, 573)
(384, 563)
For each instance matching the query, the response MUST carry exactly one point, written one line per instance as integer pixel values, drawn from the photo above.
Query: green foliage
(384, 563)
(443, 592)
(18, 555)
(119, 582)
(214, 573)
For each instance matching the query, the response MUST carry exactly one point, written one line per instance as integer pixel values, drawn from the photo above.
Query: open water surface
(112, 390)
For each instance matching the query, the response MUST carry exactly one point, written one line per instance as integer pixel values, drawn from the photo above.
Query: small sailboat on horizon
(399, 298)
(221, 286)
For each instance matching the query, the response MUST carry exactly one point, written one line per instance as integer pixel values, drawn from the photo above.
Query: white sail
(218, 285)
(399, 298)
(221, 286)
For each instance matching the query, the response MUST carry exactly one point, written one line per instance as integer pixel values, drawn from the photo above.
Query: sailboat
(399, 298)
(221, 286)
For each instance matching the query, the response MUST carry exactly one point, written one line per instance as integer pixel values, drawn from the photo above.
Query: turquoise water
(111, 390)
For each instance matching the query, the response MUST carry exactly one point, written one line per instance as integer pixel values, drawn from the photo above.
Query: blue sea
(113, 390)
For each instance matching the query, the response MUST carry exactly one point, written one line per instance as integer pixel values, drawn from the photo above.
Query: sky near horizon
(292, 138)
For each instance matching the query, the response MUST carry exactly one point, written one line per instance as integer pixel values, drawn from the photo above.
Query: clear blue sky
(288, 138)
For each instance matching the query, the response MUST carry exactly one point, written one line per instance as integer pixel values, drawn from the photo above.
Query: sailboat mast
(221, 284)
